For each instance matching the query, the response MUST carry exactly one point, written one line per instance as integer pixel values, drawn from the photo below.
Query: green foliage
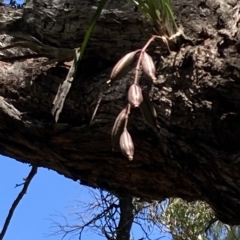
(186, 220)
(233, 233)
(160, 13)
(91, 27)
(221, 231)
(194, 221)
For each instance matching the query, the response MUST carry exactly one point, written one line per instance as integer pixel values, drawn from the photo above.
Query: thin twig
(17, 200)
(96, 108)
(23, 57)
(128, 109)
(18, 185)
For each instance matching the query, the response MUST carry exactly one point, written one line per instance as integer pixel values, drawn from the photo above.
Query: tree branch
(17, 200)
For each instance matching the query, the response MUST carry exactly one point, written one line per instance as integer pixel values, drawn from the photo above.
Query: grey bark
(195, 155)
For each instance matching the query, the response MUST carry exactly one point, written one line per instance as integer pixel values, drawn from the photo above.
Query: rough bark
(195, 154)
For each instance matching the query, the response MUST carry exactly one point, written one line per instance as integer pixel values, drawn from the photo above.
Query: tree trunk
(126, 218)
(195, 154)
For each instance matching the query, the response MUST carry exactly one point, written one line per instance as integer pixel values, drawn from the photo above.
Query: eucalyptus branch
(17, 200)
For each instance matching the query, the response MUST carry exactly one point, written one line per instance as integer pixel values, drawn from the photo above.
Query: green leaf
(170, 13)
(91, 27)
(159, 12)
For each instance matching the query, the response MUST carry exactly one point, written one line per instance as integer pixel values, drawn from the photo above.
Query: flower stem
(140, 58)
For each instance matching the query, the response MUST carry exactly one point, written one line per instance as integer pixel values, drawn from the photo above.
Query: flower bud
(126, 145)
(135, 96)
(148, 66)
(121, 67)
(118, 127)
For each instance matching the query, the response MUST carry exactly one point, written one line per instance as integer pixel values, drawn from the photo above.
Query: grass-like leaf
(159, 12)
(91, 27)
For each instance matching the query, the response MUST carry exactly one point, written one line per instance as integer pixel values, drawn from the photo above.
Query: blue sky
(48, 195)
